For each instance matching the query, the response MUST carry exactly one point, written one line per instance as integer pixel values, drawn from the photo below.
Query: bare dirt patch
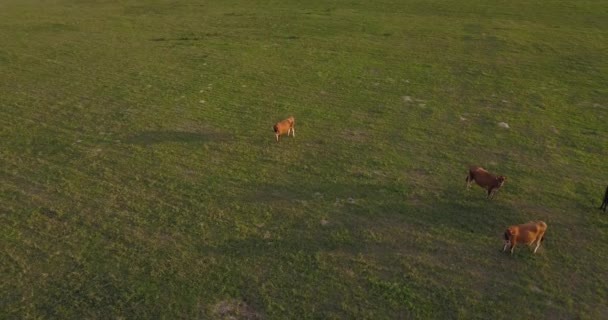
(234, 309)
(355, 135)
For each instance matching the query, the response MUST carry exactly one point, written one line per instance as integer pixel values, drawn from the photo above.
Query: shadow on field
(476, 216)
(156, 137)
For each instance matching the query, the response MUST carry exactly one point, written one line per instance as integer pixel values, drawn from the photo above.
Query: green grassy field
(139, 177)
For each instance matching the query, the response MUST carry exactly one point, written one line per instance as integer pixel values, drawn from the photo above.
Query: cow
(533, 231)
(485, 180)
(284, 127)
(605, 202)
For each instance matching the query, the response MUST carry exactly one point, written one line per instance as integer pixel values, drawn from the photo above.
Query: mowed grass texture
(139, 177)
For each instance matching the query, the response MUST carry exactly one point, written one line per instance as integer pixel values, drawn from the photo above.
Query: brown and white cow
(485, 180)
(528, 233)
(284, 127)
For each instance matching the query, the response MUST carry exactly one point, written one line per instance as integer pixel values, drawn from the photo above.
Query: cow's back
(482, 176)
(531, 231)
(475, 169)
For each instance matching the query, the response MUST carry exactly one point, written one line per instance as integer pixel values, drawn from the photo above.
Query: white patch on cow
(503, 125)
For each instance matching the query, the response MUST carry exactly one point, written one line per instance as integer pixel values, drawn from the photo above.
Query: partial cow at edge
(605, 202)
(528, 233)
(284, 127)
(485, 180)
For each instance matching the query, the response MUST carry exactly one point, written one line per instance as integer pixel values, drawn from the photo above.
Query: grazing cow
(605, 202)
(284, 127)
(533, 231)
(485, 180)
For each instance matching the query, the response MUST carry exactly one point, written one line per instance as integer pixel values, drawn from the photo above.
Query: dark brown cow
(485, 180)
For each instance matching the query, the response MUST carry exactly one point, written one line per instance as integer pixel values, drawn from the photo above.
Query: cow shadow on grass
(158, 137)
(470, 214)
(452, 210)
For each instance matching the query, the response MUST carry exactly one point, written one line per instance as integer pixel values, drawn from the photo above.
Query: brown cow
(485, 180)
(533, 231)
(284, 127)
(605, 202)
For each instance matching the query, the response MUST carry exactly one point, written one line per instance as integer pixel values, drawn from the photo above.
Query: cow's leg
(293, 132)
(276, 136)
(507, 243)
(537, 244)
(468, 182)
(513, 245)
(490, 193)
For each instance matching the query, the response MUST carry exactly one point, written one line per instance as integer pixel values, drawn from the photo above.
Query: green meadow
(140, 179)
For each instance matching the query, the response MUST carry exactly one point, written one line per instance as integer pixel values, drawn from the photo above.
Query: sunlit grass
(140, 177)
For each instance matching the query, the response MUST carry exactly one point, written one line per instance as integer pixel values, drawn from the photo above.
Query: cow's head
(501, 180)
(506, 240)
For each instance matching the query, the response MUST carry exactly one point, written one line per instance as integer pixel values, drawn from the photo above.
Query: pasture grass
(140, 178)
